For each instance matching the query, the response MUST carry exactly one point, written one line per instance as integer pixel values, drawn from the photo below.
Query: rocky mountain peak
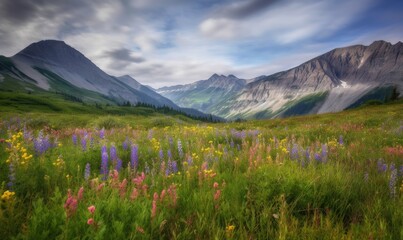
(215, 77)
(379, 43)
(52, 51)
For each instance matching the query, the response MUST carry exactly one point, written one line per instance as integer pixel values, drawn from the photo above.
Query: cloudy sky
(167, 42)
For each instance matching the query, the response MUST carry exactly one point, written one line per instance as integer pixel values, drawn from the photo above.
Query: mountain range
(337, 80)
(54, 66)
(340, 79)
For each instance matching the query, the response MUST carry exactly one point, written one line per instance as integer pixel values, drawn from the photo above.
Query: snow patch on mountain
(343, 85)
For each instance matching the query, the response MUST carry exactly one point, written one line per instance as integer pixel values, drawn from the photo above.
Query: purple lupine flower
(161, 155)
(104, 163)
(382, 167)
(11, 176)
(294, 152)
(74, 138)
(232, 143)
(102, 133)
(392, 167)
(174, 165)
(126, 144)
(341, 141)
(169, 154)
(171, 168)
(104, 149)
(392, 183)
(318, 157)
(168, 169)
(27, 134)
(134, 157)
(118, 166)
(113, 154)
(180, 150)
(87, 172)
(84, 143)
(41, 143)
(243, 134)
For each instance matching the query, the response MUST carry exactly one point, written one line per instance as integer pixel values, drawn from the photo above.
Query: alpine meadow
(173, 119)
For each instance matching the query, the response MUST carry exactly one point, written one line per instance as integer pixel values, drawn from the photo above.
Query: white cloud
(148, 39)
(288, 22)
(106, 11)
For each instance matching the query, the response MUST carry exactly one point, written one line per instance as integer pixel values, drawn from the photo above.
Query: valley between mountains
(337, 80)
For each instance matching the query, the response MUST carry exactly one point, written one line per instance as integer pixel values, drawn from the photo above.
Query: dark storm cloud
(123, 54)
(244, 9)
(22, 11)
(17, 11)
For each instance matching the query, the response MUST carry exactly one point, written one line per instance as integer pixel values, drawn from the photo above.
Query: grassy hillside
(55, 110)
(330, 176)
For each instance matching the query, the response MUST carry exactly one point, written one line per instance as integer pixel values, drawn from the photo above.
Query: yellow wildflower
(7, 195)
(229, 231)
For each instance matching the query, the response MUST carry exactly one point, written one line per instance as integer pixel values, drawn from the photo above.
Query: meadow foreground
(333, 176)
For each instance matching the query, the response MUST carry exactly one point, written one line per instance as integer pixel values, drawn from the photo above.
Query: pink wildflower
(91, 209)
(154, 206)
(71, 204)
(100, 186)
(122, 188)
(162, 195)
(114, 175)
(215, 185)
(80, 193)
(90, 221)
(155, 197)
(139, 180)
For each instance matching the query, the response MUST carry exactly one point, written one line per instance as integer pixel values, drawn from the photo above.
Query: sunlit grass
(333, 176)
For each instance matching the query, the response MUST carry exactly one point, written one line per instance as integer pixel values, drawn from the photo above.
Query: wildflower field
(332, 176)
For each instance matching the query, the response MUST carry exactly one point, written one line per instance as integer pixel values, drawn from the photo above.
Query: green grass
(287, 178)
(304, 105)
(377, 96)
(10, 84)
